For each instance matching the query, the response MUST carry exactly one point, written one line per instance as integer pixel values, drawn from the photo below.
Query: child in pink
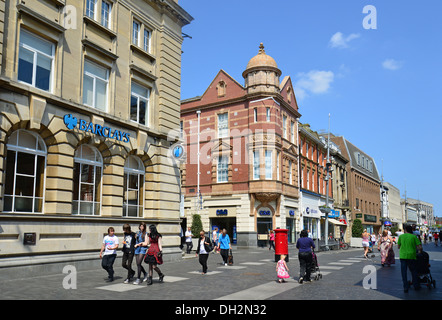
(282, 269)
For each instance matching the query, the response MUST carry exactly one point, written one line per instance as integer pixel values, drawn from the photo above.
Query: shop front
(311, 215)
(224, 218)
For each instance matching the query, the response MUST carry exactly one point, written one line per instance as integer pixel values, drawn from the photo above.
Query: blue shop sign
(72, 122)
(221, 212)
(292, 213)
(265, 213)
(334, 214)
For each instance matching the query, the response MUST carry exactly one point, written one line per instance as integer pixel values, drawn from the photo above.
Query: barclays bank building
(88, 101)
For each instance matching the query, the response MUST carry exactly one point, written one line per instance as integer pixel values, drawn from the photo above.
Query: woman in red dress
(154, 255)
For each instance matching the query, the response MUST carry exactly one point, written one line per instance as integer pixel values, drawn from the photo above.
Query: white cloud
(338, 40)
(313, 82)
(391, 64)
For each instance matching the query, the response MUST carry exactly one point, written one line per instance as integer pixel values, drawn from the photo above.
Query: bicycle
(342, 245)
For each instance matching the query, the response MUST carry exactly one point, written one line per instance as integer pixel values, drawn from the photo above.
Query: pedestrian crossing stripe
(123, 287)
(252, 263)
(231, 267)
(209, 273)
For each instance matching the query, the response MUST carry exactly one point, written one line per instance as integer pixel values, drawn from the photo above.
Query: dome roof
(261, 60)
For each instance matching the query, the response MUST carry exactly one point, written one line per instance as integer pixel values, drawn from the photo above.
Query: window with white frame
(308, 179)
(95, 85)
(146, 40)
(256, 165)
(306, 149)
(139, 104)
(292, 131)
(268, 164)
(35, 61)
(106, 9)
(223, 169)
(133, 187)
(88, 167)
(284, 127)
(268, 114)
(25, 172)
(278, 159)
(255, 115)
(91, 8)
(136, 27)
(223, 125)
(290, 172)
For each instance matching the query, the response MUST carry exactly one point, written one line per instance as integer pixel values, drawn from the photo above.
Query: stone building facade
(89, 91)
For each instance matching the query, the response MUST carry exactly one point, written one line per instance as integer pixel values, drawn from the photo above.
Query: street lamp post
(327, 178)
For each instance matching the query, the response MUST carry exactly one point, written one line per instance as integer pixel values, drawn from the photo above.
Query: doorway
(264, 225)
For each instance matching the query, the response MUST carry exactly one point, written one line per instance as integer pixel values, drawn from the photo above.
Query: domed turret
(262, 73)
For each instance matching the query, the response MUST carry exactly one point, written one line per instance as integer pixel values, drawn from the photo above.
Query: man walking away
(407, 244)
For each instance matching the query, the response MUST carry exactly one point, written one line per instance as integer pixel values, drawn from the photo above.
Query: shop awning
(334, 221)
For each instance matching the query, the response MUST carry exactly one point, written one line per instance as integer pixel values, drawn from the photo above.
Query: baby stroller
(315, 273)
(423, 270)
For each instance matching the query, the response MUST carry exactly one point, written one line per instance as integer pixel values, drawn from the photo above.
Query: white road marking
(263, 291)
(330, 267)
(231, 267)
(341, 263)
(209, 273)
(121, 287)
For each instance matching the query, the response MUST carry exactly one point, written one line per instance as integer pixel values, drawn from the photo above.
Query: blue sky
(382, 87)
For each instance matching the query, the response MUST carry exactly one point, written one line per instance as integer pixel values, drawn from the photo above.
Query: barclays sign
(72, 122)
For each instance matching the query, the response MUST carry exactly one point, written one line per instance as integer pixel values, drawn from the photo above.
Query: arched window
(133, 187)
(25, 171)
(88, 167)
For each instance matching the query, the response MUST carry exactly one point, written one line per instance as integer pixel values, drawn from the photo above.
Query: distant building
(363, 185)
(424, 213)
(393, 206)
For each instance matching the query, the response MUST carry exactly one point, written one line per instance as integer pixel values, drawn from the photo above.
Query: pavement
(345, 275)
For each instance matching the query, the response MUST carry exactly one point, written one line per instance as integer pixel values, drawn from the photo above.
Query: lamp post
(198, 194)
(327, 178)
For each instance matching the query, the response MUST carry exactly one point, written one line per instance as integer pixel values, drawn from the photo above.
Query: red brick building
(248, 162)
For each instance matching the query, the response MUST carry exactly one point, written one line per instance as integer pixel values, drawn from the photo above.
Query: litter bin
(281, 244)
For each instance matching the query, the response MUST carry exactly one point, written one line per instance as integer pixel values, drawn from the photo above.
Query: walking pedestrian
(365, 242)
(282, 269)
(407, 244)
(272, 240)
(305, 245)
(430, 236)
(154, 255)
(215, 239)
(224, 245)
(109, 246)
(189, 243)
(203, 250)
(129, 240)
(385, 246)
(436, 238)
(140, 252)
